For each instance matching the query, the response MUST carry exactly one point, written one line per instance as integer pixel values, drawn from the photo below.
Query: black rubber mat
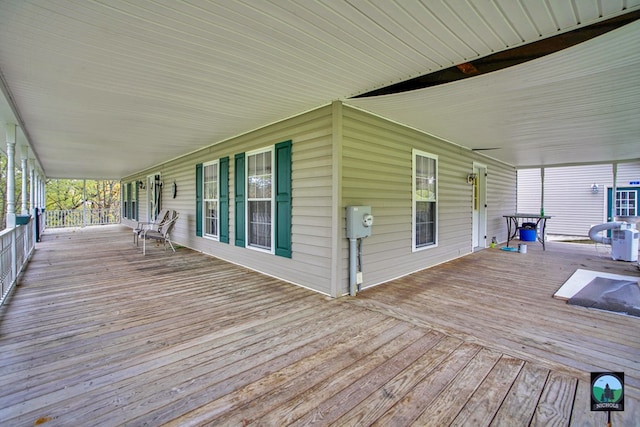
(620, 296)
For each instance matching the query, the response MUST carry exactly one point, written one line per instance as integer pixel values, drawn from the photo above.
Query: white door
(480, 206)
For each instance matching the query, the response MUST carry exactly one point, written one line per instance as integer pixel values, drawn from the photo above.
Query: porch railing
(81, 217)
(16, 246)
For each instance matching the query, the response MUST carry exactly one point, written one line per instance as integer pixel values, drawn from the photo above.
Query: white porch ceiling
(107, 88)
(576, 106)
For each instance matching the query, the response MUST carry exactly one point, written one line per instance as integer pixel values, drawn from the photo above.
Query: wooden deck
(97, 334)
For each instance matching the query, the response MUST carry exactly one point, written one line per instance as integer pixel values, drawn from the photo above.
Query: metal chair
(163, 216)
(163, 234)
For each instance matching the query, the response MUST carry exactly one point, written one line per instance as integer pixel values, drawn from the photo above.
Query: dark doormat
(620, 296)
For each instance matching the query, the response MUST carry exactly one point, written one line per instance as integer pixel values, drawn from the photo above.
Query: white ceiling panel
(138, 83)
(575, 106)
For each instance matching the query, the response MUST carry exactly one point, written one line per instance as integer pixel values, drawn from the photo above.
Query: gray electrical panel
(359, 222)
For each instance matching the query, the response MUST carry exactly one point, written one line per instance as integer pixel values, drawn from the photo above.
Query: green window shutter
(135, 208)
(283, 199)
(123, 203)
(199, 199)
(224, 199)
(129, 208)
(239, 199)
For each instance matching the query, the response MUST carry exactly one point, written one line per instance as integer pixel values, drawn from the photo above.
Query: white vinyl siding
(569, 198)
(210, 202)
(425, 198)
(312, 212)
(377, 157)
(259, 192)
(339, 157)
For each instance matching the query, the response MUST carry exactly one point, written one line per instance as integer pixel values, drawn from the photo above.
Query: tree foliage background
(64, 194)
(61, 194)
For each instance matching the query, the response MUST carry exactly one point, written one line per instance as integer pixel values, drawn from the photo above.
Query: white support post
(32, 184)
(25, 178)
(84, 203)
(43, 193)
(39, 190)
(614, 190)
(541, 191)
(11, 174)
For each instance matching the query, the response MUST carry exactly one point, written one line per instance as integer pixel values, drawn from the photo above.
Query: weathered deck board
(482, 406)
(519, 404)
(556, 403)
(493, 299)
(98, 334)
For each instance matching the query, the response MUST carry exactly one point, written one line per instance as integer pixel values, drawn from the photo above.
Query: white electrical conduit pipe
(593, 232)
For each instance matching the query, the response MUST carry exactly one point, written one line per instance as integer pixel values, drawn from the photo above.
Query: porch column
(36, 192)
(25, 176)
(40, 191)
(613, 191)
(84, 202)
(44, 191)
(11, 174)
(32, 184)
(541, 191)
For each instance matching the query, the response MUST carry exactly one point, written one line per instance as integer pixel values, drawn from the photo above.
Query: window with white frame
(259, 199)
(626, 203)
(210, 197)
(425, 199)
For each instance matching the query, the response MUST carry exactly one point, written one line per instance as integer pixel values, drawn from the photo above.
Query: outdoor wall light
(141, 185)
(471, 178)
(595, 188)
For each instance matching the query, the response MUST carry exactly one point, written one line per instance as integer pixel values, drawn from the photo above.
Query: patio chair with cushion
(163, 216)
(163, 234)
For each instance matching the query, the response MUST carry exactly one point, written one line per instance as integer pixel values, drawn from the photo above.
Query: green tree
(69, 194)
(61, 194)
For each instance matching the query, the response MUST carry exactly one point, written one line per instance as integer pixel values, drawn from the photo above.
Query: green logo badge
(607, 391)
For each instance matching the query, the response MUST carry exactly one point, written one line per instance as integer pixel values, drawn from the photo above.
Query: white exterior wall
(342, 156)
(310, 265)
(568, 196)
(377, 172)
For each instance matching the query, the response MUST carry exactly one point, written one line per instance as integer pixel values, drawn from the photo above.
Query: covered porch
(97, 334)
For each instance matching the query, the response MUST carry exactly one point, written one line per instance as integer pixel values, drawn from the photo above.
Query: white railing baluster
(78, 218)
(16, 246)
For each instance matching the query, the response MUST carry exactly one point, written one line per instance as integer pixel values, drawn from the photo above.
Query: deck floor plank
(96, 333)
(305, 402)
(355, 341)
(413, 403)
(482, 406)
(320, 370)
(351, 396)
(519, 404)
(376, 404)
(556, 402)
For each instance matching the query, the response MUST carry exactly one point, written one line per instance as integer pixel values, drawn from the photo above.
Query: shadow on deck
(97, 334)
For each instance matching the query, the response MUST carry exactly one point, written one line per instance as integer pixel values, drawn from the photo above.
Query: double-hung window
(263, 198)
(425, 200)
(259, 199)
(130, 199)
(210, 199)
